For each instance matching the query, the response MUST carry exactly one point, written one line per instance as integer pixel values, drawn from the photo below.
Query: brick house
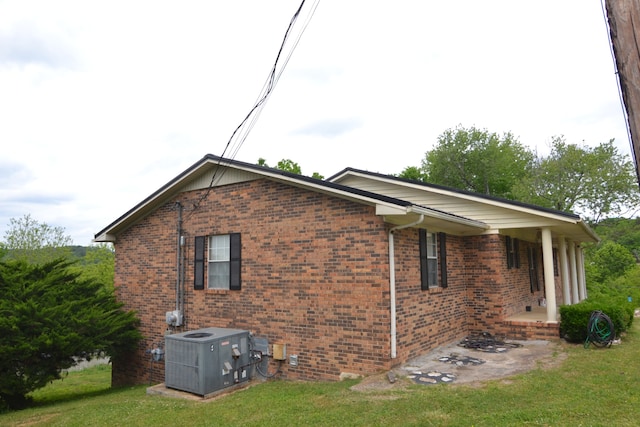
(355, 274)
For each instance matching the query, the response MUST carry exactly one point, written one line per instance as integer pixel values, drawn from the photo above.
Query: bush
(575, 318)
(50, 317)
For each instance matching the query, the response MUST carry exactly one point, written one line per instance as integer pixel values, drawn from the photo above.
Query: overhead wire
(268, 86)
(274, 78)
(241, 132)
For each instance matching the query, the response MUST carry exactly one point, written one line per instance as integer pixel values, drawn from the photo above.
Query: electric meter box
(206, 360)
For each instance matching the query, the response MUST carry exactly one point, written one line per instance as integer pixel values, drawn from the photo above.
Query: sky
(104, 102)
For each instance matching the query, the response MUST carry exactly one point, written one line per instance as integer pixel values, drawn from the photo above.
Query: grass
(592, 387)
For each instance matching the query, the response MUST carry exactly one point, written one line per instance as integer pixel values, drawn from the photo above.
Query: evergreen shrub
(575, 318)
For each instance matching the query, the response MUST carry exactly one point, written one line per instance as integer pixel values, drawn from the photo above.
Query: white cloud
(102, 103)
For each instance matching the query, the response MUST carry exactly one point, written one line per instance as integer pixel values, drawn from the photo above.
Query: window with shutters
(432, 256)
(220, 259)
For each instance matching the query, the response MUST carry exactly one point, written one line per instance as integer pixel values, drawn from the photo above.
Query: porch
(531, 325)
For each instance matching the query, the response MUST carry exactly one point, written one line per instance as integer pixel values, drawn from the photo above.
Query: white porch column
(549, 283)
(582, 283)
(575, 297)
(564, 270)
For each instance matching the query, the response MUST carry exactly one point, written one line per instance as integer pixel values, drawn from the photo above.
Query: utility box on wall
(279, 351)
(206, 360)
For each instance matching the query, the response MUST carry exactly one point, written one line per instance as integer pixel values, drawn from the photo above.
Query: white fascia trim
(464, 196)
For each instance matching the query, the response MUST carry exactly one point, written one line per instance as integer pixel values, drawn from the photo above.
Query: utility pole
(624, 27)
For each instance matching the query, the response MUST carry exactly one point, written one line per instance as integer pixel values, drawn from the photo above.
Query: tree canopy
(597, 182)
(98, 264)
(623, 231)
(50, 317)
(29, 240)
(289, 165)
(475, 160)
(609, 261)
(56, 307)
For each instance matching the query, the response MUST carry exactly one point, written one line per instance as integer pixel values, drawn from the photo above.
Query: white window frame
(219, 261)
(432, 260)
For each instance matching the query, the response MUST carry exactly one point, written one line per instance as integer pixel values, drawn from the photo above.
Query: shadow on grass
(76, 386)
(71, 396)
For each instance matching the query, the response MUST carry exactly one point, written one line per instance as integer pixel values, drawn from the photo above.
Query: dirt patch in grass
(38, 420)
(527, 355)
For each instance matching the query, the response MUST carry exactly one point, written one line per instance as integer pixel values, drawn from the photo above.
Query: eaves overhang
(562, 223)
(168, 191)
(433, 218)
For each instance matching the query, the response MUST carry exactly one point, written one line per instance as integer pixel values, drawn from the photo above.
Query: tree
(34, 242)
(477, 160)
(98, 264)
(623, 231)
(50, 317)
(414, 173)
(288, 165)
(598, 182)
(609, 261)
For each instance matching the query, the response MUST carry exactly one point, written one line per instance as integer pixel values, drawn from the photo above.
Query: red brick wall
(314, 276)
(518, 293)
(494, 291)
(519, 330)
(430, 318)
(485, 261)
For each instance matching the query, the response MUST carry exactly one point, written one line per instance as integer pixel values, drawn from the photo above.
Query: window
(218, 268)
(428, 243)
(513, 252)
(221, 259)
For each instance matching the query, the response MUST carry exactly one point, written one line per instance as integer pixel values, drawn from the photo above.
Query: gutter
(445, 216)
(392, 282)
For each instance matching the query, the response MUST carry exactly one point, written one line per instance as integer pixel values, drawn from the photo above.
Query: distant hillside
(78, 251)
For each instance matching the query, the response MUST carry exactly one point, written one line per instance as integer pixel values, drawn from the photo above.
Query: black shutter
(198, 265)
(424, 265)
(234, 262)
(442, 240)
(509, 255)
(516, 253)
(533, 269)
(535, 262)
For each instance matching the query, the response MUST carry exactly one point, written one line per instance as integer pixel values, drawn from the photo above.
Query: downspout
(392, 283)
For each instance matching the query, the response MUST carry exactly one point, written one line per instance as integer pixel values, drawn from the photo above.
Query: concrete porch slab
(537, 314)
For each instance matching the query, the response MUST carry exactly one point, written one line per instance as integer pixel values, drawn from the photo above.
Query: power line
(274, 76)
(241, 132)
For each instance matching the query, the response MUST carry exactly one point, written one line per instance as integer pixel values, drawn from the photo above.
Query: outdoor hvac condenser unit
(206, 360)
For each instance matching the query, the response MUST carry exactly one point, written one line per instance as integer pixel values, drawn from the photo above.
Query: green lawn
(593, 387)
